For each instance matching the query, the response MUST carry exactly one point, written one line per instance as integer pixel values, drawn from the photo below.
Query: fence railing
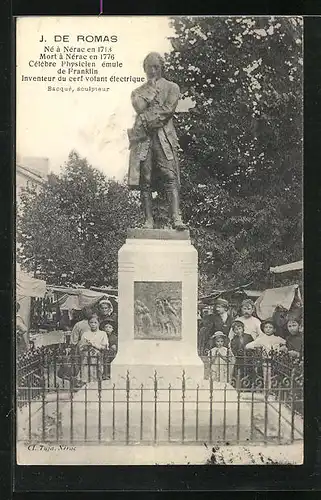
(67, 398)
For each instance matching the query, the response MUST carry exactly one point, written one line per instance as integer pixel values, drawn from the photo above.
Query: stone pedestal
(157, 308)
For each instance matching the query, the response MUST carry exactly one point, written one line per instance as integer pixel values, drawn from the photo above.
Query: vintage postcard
(159, 297)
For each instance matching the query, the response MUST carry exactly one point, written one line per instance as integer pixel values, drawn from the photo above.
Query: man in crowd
(222, 319)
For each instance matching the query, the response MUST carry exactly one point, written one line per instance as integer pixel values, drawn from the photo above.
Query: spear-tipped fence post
(155, 405)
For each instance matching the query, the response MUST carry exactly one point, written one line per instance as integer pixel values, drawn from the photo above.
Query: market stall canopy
(105, 289)
(27, 286)
(65, 289)
(78, 299)
(240, 291)
(294, 266)
(273, 297)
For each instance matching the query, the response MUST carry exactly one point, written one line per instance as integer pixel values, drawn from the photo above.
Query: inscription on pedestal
(157, 309)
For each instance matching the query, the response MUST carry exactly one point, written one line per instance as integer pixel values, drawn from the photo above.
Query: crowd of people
(229, 341)
(225, 339)
(87, 350)
(94, 342)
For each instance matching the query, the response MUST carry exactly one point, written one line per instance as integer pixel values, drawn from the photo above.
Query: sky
(50, 124)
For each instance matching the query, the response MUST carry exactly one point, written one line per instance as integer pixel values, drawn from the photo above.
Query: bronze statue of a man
(153, 143)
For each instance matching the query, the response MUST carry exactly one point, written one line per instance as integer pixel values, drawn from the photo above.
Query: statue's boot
(147, 203)
(177, 222)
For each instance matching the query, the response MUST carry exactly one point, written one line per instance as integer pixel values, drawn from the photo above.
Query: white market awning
(293, 266)
(272, 297)
(27, 286)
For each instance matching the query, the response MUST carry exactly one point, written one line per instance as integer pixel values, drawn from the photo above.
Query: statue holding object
(153, 143)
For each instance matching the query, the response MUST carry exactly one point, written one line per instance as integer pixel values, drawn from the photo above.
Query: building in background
(31, 171)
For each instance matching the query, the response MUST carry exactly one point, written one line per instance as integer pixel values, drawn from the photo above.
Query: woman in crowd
(21, 331)
(81, 326)
(106, 313)
(294, 338)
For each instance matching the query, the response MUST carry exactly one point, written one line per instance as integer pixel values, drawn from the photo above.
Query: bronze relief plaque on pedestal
(158, 310)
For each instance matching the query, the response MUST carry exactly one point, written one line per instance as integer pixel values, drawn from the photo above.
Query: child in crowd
(251, 323)
(112, 337)
(221, 359)
(267, 342)
(92, 344)
(113, 344)
(240, 340)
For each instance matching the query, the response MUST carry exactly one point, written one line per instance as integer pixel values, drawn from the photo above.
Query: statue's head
(153, 65)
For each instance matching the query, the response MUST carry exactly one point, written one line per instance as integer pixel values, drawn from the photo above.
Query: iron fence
(58, 365)
(68, 398)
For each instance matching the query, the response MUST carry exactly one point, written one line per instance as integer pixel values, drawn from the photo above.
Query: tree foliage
(241, 144)
(241, 164)
(71, 232)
